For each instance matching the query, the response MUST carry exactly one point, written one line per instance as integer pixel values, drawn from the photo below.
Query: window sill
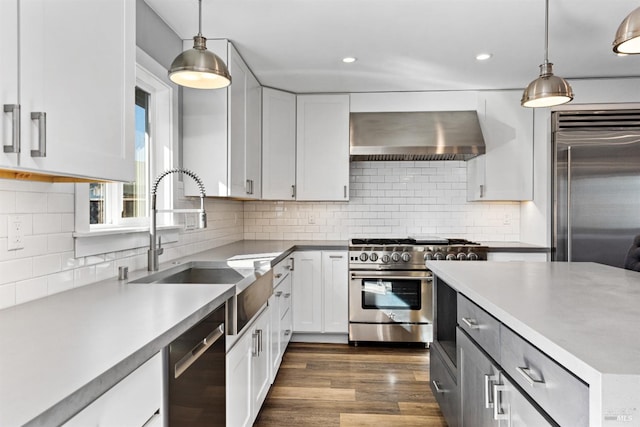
(120, 239)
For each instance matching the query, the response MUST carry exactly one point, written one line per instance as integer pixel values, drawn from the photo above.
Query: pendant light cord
(200, 18)
(546, 31)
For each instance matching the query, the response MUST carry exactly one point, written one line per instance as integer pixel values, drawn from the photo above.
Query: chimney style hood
(433, 135)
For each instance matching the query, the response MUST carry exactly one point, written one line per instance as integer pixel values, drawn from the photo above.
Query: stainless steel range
(390, 289)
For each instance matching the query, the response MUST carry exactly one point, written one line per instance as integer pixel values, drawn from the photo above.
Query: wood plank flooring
(339, 385)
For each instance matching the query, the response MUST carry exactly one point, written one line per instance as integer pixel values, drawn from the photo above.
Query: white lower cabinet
(280, 303)
(132, 402)
(247, 372)
(320, 292)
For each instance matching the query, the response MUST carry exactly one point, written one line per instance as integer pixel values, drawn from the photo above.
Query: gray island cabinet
(536, 344)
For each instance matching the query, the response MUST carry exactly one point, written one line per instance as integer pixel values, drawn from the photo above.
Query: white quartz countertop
(59, 353)
(583, 315)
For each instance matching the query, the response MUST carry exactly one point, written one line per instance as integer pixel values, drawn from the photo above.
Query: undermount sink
(198, 275)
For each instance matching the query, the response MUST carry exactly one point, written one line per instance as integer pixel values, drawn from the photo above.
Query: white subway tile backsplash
(59, 282)
(47, 223)
(7, 202)
(7, 295)
(47, 264)
(60, 203)
(61, 242)
(30, 202)
(31, 289)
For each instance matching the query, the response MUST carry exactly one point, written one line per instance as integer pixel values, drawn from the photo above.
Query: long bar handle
(481, 191)
(425, 277)
(293, 191)
(471, 323)
(498, 412)
(292, 263)
(345, 191)
(41, 117)
(336, 256)
(489, 380)
(197, 351)
(14, 109)
(528, 378)
(254, 338)
(436, 386)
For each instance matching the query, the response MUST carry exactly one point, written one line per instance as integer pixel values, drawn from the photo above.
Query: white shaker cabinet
(76, 84)
(222, 140)
(320, 292)
(322, 157)
(130, 403)
(505, 172)
(278, 145)
(248, 372)
(336, 292)
(9, 81)
(280, 303)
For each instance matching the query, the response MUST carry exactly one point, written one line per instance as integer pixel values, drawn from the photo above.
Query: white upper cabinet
(222, 131)
(278, 145)
(76, 84)
(9, 81)
(505, 172)
(322, 156)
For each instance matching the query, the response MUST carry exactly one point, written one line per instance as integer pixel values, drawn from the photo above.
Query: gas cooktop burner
(412, 241)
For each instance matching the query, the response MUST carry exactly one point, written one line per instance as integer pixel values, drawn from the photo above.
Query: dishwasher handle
(197, 351)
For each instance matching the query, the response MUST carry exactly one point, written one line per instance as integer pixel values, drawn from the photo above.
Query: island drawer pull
(471, 323)
(287, 332)
(489, 380)
(498, 413)
(278, 275)
(287, 295)
(528, 378)
(278, 294)
(436, 386)
(197, 351)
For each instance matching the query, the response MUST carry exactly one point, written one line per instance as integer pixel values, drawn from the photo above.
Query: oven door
(391, 296)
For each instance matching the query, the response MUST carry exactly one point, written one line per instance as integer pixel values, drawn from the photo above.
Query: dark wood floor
(340, 385)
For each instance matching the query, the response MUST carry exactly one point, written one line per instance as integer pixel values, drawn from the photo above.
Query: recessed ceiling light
(483, 56)
(349, 59)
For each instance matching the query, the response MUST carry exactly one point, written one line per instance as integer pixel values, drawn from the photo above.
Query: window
(127, 204)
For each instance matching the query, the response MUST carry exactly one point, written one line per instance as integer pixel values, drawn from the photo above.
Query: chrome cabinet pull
(254, 342)
(335, 256)
(287, 332)
(197, 351)
(498, 413)
(287, 295)
(292, 264)
(42, 134)
(14, 109)
(293, 191)
(489, 380)
(528, 378)
(259, 341)
(278, 275)
(247, 186)
(345, 191)
(436, 386)
(481, 191)
(471, 323)
(278, 294)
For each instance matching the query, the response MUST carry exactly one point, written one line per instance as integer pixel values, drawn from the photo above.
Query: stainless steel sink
(254, 286)
(212, 276)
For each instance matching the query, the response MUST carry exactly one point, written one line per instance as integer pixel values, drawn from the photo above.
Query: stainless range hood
(434, 135)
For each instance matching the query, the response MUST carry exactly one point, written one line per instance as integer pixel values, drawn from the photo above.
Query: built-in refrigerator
(596, 184)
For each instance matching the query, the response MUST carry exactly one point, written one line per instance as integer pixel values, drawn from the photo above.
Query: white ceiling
(409, 45)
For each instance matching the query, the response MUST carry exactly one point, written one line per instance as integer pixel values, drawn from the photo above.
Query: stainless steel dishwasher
(197, 374)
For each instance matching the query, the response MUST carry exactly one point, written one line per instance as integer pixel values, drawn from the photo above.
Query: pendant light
(547, 90)
(627, 39)
(199, 68)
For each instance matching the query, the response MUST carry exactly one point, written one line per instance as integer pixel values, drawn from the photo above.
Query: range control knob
(438, 256)
(428, 256)
(373, 257)
(385, 258)
(363, 257)
(451, 256)
(472, 256)
(395, 257)
(461, 256)
(406, 257)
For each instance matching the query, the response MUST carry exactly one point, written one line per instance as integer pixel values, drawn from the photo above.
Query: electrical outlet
(15, 233)
(312, 219)
(506, 220)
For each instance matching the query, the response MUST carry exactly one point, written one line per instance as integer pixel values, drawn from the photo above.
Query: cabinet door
(238, 370)
(8, 80)
(205, 132)
(336, 291)
(278, 145)
(518, 409)
(307, 291)
(238, 186)
(505, 172)
(322, 157)
(77, 65)
(253, 151)
(260, 362)
(476, 376)
(131, 402)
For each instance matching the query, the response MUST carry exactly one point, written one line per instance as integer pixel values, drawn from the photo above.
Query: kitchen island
(584, 316)
(59, 353)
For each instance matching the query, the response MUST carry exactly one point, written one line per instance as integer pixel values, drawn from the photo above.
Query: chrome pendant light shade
(547, 90)
(627, 39)
(199, 68)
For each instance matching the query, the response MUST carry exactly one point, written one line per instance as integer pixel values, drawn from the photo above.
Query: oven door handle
(426, 277)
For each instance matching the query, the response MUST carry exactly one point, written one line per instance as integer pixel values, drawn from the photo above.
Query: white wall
(392, 199)
(47, 264)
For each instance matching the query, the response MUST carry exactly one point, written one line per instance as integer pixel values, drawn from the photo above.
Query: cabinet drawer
(563, 396)
(480, 326)
(286, 329)
(283, 293)
(444, 387)
(281, 271)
